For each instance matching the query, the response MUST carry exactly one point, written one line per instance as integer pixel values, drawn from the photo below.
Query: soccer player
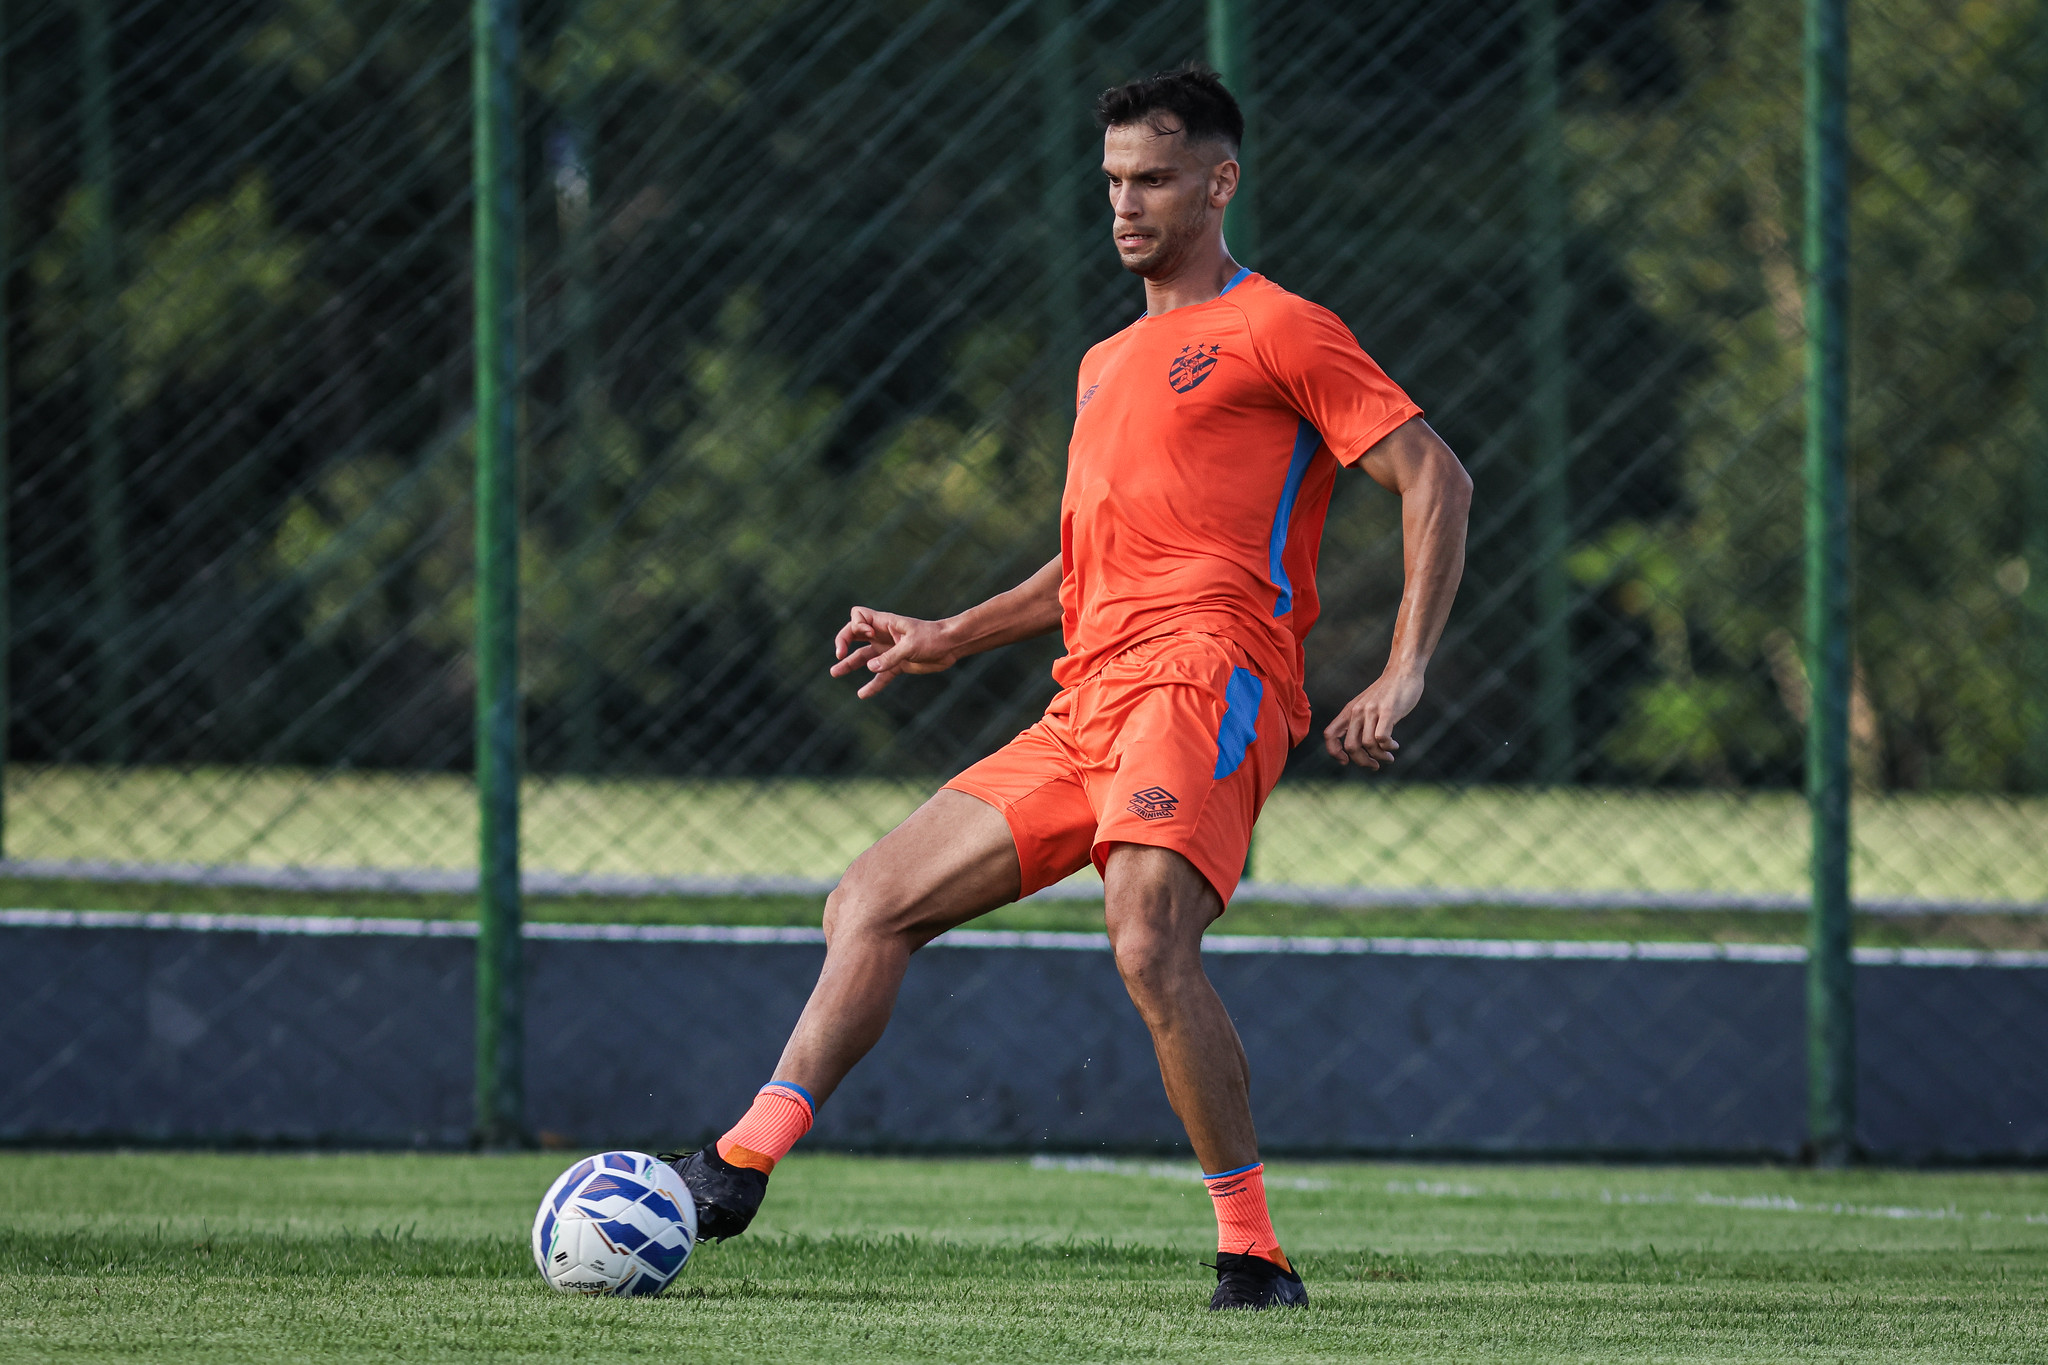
(1207, 437)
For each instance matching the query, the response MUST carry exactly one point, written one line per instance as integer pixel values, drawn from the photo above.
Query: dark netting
(806, 285)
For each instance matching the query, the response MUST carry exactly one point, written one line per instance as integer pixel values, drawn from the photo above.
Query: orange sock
(780, 1115)
(1243, 1224)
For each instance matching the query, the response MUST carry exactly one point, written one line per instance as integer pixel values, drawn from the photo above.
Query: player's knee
(848, 912)
(1149, 960)
(859, 907)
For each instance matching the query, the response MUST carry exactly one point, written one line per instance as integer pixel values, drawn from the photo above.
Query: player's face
(1166, 196)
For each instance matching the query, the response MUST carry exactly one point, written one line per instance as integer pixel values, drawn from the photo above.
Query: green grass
(229, 1258)
(1357, 832)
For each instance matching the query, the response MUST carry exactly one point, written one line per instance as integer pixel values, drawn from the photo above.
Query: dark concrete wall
(175, 1035)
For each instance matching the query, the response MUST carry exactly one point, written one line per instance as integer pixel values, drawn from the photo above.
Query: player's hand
(886, 644)
(1363, 731)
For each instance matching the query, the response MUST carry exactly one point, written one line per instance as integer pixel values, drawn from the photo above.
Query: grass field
(255, 1258)
(1359, 832)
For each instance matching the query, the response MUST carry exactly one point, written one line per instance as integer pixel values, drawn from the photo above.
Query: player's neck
(1198, 279)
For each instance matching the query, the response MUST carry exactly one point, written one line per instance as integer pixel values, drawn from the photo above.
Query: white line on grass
(1447, 1189)
(1751, 1203)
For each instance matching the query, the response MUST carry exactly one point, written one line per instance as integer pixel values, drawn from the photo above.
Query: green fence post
(1232, 51)
(102, 379)
(6, 420)
(1549, 387)
(1830, 1013)
(575, 197)
(500, 1022)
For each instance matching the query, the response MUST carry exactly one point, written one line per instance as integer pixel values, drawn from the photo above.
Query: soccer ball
(615, 1223)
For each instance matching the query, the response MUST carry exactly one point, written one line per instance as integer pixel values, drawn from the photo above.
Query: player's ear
(1223, 183)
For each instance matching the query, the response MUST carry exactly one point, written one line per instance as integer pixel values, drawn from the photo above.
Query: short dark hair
(1192, 96)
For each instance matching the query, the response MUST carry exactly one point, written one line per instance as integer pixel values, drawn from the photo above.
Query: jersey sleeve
(1322, 372)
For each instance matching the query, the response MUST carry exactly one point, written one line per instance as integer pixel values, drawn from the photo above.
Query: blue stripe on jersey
(1240, 721)
(1236, 280)
(1306, 439)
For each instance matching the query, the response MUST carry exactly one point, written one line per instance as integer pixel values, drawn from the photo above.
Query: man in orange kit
(1207, 437)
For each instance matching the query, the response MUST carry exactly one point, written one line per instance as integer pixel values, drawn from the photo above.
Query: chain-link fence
(805, 286)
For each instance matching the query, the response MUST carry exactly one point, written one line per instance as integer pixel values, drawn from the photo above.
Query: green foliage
(611, 40)
(1704, 195)
(212, 292)
(803, 299)
(728, 493)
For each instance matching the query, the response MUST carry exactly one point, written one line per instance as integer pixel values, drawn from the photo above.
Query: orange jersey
(1206, 442)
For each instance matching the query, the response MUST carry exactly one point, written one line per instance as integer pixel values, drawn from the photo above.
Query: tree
(1701, 198)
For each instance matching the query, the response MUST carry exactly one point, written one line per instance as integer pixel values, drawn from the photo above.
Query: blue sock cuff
(1242, 1170)
(793, 1088)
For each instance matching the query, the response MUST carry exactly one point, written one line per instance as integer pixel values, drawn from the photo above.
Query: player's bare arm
(888, 645)
(1436, 495)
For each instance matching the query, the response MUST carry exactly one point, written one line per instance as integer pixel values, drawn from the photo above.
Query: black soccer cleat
(1244, 1281)
(727, 1196)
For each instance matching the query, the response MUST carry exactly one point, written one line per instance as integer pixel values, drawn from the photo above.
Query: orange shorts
(1175, 743)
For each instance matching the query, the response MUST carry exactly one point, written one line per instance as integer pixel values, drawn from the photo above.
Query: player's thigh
(951, 860)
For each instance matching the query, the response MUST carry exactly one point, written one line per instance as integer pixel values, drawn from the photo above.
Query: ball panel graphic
(614, 1223)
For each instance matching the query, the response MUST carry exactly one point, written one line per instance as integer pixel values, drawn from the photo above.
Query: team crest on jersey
(1191, 367)
(1153, 803)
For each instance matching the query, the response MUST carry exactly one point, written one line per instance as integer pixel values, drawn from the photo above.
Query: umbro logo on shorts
(1153, 803)
(1191, 367)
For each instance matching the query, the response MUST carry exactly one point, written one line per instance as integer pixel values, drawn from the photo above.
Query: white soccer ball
(614, 1223)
